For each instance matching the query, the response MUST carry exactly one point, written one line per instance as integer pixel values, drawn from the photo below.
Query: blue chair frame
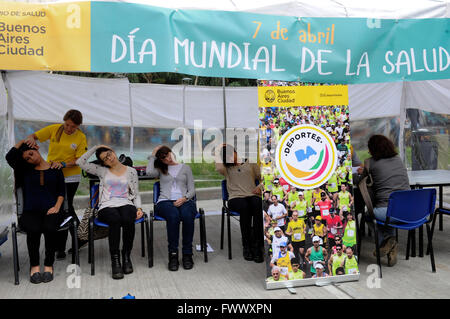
(153, 217)
(145, 231)
(15, 229)
(412, 209)
(4, 237)
(437, 212)
(228, 213)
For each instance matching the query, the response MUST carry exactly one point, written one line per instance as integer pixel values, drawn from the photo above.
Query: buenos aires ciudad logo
(306, 156)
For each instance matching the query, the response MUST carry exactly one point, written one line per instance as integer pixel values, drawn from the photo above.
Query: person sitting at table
(389, 175)
(43, 195)
(119, 203)
(175, 203)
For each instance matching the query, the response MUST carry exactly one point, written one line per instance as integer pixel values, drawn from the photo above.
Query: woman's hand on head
(156, 149)
(31, 142)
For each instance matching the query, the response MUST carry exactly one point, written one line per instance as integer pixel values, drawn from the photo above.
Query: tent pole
(9, 111)
(131, 121)
(401, 135)
(224, 111)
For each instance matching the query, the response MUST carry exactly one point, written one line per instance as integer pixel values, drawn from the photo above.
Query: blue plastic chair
(228, 213)
(441, 211)
(145, 232)
(153, 217)
(15, 229)
(412, 209)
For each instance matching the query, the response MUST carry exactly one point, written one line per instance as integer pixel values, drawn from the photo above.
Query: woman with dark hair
(389, 175)
(244, 197)
(67, 144)
(119, 203)
(43, 196)
(175, 203)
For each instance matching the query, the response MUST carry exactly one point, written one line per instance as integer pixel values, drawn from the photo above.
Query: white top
(277, 211)
(115, 192)
(173, 170)
(276, 244)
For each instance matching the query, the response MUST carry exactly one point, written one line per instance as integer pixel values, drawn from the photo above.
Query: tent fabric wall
(41, 96)
(431, 96)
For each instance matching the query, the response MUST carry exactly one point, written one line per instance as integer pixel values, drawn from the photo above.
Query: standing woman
(175, 203)
(43, 196)
(119, 203)
(67, 144)
(244, 198)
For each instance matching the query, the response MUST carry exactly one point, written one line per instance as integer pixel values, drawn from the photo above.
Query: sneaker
(188, 262)
(392, 256)
(36, 278)
(47, 277)
(60, 255)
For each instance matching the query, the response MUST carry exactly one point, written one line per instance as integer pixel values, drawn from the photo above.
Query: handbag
(83, 227)
(365, 186)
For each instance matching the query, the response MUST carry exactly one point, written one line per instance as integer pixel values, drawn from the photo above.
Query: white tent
(41, 96)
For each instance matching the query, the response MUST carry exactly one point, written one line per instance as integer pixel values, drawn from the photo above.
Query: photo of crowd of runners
(308, 233)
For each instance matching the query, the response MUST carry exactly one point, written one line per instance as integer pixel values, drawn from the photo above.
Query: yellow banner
(43, 36)
(288, 96)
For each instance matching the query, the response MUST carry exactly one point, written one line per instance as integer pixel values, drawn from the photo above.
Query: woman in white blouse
(119, 203)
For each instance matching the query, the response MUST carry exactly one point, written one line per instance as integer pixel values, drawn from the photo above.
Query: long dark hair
(226, 149)
(160, 155)
(381, 147)
(100, 150)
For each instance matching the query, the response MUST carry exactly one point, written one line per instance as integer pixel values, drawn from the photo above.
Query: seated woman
(119, 203)
(43, 195)
(175, 203)
(389, 175)
(245, 198)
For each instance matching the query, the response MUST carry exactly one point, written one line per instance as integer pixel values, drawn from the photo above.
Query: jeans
(251, 222)
(384, 232)
(116, 218)
(174, 216)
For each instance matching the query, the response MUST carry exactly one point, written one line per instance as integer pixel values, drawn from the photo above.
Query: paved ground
(221, 278)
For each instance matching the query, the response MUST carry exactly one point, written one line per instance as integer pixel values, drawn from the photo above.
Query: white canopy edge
(41, 96)
(379, 9)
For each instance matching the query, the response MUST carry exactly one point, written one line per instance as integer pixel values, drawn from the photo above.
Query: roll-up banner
(306, 163)
(132, 38)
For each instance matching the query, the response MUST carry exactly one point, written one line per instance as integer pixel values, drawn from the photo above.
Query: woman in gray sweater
(175, 203)
(389, 175)
(119, 203)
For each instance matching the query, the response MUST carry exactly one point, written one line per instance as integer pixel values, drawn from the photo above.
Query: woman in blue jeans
(389, 175)
(175, 203)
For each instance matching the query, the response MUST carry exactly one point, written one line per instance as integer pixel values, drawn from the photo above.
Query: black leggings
(35, 224)
(117, 217)
(251, 221)
(71, 189)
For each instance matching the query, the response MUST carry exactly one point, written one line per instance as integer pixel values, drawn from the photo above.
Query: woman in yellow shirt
(67, 144)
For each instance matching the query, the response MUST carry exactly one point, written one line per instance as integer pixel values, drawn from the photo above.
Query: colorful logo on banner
(306, 156)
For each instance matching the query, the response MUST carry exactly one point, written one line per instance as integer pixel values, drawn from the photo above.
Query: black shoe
(81, 244)
(248, 255)
(173, 261)
(126, 263)
(117, 272)
(36, 278)
(60, 255)
(188, 262)
(259, 258)
(47, 277)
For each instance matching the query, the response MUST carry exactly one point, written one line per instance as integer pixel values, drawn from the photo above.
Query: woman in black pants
(119, 203)
(244, 197)
(43, 192)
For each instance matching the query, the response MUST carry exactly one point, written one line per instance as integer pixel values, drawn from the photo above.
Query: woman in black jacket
(43, 196)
